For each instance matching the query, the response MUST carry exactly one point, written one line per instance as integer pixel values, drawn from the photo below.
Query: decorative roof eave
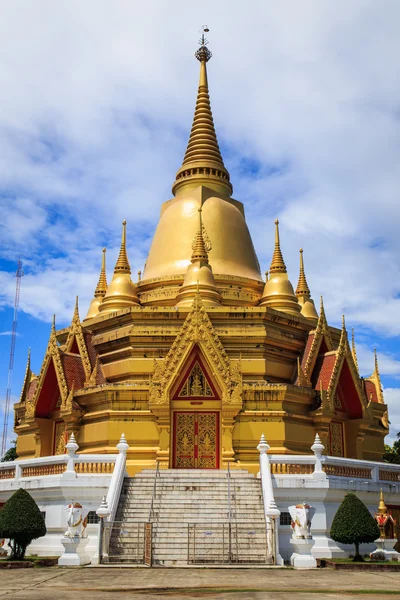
(343, 353)
(321, 332)
(375, 378)
(76, 332)
(27, 378)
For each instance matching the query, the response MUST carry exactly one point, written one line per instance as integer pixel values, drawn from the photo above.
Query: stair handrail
(157, 474)
(229, 495)
(229, 515)
(117, 478)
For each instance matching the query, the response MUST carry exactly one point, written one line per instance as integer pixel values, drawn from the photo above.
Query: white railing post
(102, 549)
(71, 448)
(271, 510)
(114, 491)
(18, 471)
(318, 449)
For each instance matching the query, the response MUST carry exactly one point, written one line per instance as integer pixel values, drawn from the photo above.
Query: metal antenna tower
(19, 273)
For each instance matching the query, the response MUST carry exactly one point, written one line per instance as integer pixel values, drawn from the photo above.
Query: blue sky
(95, 112)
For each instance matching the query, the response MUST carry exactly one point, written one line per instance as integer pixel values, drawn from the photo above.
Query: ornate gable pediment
(329, 376)
(197, 329)
(75, 334)
(52, 355)
(319, 335)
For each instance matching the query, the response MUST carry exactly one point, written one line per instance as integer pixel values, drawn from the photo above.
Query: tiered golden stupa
(201, 356)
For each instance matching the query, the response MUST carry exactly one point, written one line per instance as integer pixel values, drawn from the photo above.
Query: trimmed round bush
(21, 522)
(354, 524)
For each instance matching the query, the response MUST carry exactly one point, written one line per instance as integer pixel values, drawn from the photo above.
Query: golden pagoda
(201, 356)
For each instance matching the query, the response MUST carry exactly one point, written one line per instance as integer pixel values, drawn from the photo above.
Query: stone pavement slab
(179, 584)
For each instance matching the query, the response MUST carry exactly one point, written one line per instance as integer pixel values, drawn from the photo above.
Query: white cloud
(96, 111)
(392, 397)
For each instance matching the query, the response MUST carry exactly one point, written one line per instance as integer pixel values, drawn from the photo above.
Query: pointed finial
(353, 348)
(376, 362)
(199, 245)
(266, 275)
(101, 287)
(382, 508)
(203, 163)
(277, 262)
(53, 324)
(76, 309)
(139, 275)
(302, 290)
(122, 265)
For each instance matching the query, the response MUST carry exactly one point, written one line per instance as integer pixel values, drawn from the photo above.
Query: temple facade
(201, 355)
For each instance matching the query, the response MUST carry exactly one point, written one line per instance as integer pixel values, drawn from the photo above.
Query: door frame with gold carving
(195, 433)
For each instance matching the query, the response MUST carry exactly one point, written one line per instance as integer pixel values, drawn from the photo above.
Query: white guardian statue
(76, 520)
(302, 515)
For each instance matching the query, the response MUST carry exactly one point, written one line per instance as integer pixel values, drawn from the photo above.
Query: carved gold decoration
(207, 440)
(336, 439)
(185, 440)
(59, 437)
(196, 440)
(196, 384)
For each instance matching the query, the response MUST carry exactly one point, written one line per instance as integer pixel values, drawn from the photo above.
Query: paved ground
(57, 583)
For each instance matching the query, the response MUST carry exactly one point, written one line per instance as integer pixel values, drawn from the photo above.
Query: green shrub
(21, 522)
(353, 524)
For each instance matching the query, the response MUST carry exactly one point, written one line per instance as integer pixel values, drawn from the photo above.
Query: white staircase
(190, 518)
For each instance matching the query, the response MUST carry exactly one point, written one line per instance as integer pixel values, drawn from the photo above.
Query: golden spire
(100, 290)
(199, 246)
(199, 279)
(277, 262)
(101, 287)
(121, 293)
(353, 349)
(278, 291)
(203, 163)
(122, 265)
(302, 289)
(382, 508)
(76, 310)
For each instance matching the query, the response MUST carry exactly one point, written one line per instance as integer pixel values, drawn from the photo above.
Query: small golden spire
(277, 262)
(303, 293)
(122, 265)
(343, 336)
(121, 293)
(382, 508)
(101, 287)
(302, 289)
(100, 290)
(53, 325)
(199, 246)
(199, 279)
(76, 310)
(353, 348)
(139, 275)
(278, 291)
(203, 163)
(266, 275)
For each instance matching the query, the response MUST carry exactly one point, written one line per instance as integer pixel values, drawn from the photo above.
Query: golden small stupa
(201, 356)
